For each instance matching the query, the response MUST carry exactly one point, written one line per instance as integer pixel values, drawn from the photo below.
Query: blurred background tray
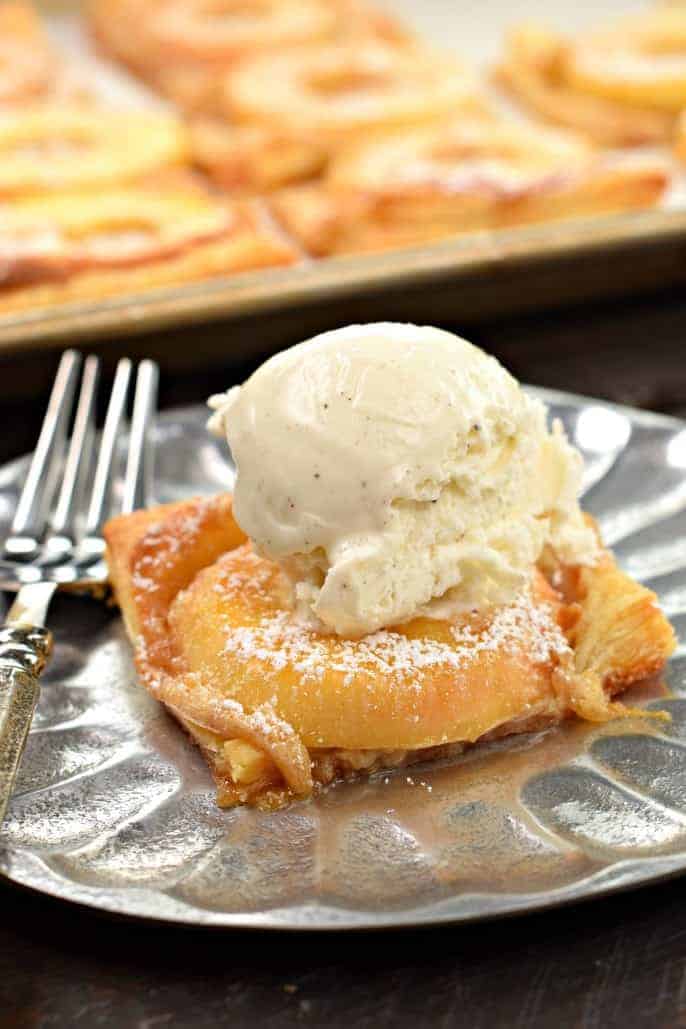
(474, 277)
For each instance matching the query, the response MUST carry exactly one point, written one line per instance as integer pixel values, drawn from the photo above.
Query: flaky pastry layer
(335, 94)
(277, 708)
(52, 147)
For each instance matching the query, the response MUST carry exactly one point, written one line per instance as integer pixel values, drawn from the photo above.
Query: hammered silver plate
(114, 808)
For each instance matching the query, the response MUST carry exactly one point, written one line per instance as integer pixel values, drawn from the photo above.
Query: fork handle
(24, 651)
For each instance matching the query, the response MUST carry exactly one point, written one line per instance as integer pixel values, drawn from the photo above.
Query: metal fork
(56, 534)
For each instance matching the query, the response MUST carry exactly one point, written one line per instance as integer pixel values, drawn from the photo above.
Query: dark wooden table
(617, 962)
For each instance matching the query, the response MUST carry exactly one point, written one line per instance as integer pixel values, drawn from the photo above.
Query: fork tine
(29, 518)
(63, 518)
(113, 418)
(138, 464)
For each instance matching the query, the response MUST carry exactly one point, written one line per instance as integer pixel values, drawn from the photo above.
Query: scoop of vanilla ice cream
(396, 471)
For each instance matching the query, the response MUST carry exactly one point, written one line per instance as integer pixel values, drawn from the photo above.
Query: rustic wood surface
(617, 962)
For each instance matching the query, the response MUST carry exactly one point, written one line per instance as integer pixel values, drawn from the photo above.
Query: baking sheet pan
(582, 258)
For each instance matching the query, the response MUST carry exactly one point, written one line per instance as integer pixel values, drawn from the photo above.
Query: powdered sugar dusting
(253, 573)
(513, 625)
(162, 546)
(278, 642)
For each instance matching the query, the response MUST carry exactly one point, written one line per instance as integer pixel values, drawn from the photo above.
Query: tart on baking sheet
(283, 117)
(622, 86)
(55, 147)
(122, 241)
(253, 159)
(353, 134)
(461, 175)
(185, 48)
(360, 630)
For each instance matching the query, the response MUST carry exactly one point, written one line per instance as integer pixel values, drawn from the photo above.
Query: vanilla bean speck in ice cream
(397, 471)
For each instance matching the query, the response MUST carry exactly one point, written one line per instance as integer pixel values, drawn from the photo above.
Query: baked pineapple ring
(110, 21)
(221, 30)
(642, 62)
(214, 35)
(330, 94)
(418, 686)
(276, 706)
(460, 176)
(534, 69)
(460, 154)
(51, 148)
(27, 66)
(59, 235)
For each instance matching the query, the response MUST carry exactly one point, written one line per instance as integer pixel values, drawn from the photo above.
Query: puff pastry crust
(28, 66)
(361, 138)
(461, 175)
(640, 61)
(278, 709)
